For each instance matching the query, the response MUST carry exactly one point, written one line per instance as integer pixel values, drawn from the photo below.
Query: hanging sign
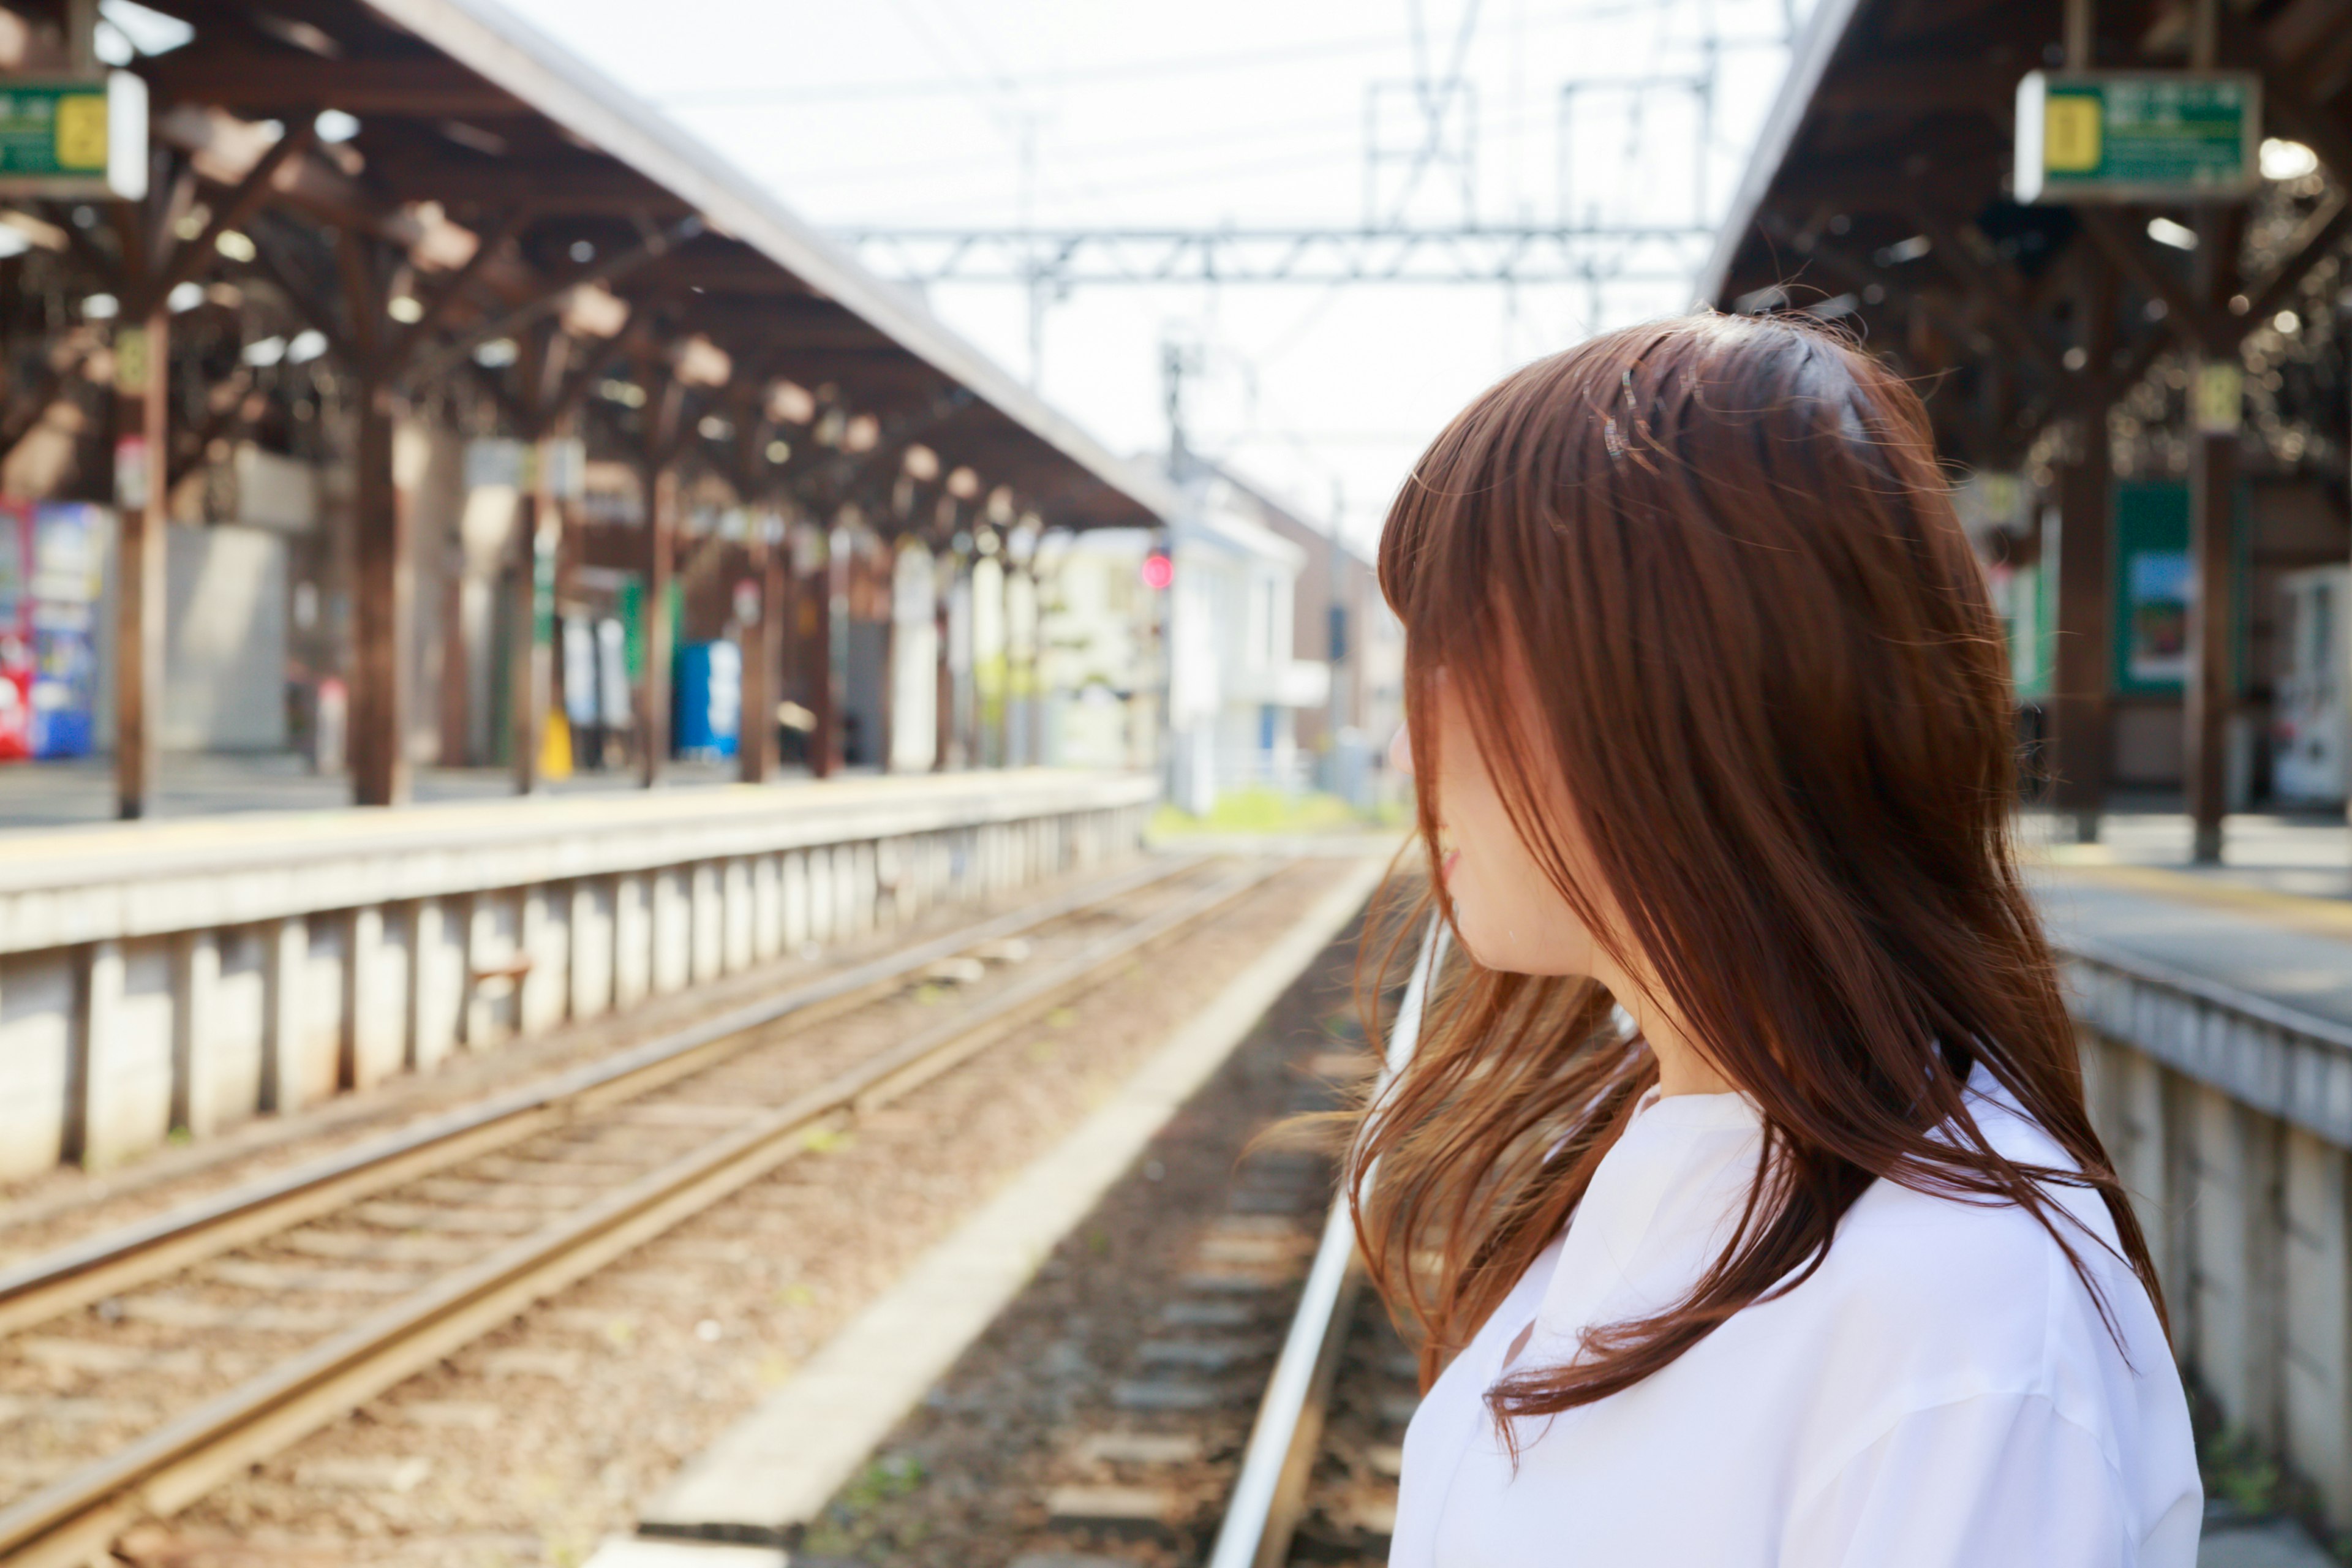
(74, 136)
(2218, 398)
(2137, 136)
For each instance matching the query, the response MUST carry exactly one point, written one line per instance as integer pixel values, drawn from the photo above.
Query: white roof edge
(1808, 63)
(502, 48)
(1240, 533)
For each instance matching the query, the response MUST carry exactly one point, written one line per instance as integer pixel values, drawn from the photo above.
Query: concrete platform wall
(173, 979)
(2229, 1120)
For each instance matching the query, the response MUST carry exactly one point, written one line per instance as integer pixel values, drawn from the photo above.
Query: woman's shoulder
(1975, 1295)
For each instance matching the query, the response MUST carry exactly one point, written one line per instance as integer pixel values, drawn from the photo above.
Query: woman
(1742, 1185)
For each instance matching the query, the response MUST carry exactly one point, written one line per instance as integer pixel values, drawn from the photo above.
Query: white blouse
(1941, 1393)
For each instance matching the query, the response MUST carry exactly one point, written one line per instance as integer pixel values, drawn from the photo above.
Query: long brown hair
(1769, 695)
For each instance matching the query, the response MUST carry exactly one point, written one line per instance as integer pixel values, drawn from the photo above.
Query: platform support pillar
(2216, 391)
(653, 619)
(763, 657)
(383, 585)
(944, 746)
(886, 738)
(530, 673)
(829, 650)
(2076, 752)
(143, 482)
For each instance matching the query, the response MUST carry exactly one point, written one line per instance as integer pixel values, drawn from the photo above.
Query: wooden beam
(581, 184)
(1919, 84)
(185, 260)
(2312, 243)
(25, 413)
(229, 412)
(2184, 313)
(1991, 286)
(728, 267)
(275, 82)
(220, 154)
(550, 299)
(2285, 101)
(1858, 274)
(405, 344)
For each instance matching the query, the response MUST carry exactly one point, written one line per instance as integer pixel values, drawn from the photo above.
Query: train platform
(2272, 922)
(43, 797)
(169, 980)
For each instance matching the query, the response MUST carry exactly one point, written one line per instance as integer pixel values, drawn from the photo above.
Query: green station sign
(2137, 136)
(74, 136)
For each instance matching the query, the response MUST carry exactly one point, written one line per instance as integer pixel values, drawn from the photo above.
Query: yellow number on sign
(2070, 133)
(81, 131)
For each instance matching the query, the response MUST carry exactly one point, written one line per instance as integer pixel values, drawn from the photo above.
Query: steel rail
(115, 1260)
(67, 1522)
(1270, 1491)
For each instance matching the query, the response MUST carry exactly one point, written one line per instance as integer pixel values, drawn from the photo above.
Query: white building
(1205, 678)
(1099, 650)
(1234, 684)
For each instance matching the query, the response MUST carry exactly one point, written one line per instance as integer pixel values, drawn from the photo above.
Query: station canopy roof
(1878, 196)
(519, 181)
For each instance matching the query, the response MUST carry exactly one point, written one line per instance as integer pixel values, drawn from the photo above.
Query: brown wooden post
(824, 732)
(2215, 399)
(527, 669)
(2079, 721)
(943, 725)
(827, 654)
(382, 586)
(456, 705)
(886, 720)
(764, 659)
(142, 361)
(2212, 484)
(652, 617)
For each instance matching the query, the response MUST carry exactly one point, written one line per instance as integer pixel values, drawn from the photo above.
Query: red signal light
(1158, 570)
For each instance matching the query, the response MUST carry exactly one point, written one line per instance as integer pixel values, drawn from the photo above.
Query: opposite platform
(187, 973)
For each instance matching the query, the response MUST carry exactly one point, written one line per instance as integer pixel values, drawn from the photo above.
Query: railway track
(1298, 1456)
(1252, 1411)
(157, 1361)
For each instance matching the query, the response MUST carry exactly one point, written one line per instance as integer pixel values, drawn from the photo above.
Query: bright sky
(1072, 113)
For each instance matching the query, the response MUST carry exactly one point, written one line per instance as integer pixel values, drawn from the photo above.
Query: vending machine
(15, 637)
(61, 621)
(709, 702)
(2307, 732)
(49, 628)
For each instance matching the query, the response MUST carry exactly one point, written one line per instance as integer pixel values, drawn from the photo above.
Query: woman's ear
(1401, 751)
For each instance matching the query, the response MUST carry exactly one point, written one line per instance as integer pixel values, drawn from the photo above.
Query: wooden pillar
(2212, 485)
(2215, 394)
(886, 678)
(143, 360)
(382, 586)
(529, 666)
(455, 704)
(829, 655)
(653, 619)
(2079, 718)
(997, 728)
(763, 660)
(2216, 388)
(944, 566)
